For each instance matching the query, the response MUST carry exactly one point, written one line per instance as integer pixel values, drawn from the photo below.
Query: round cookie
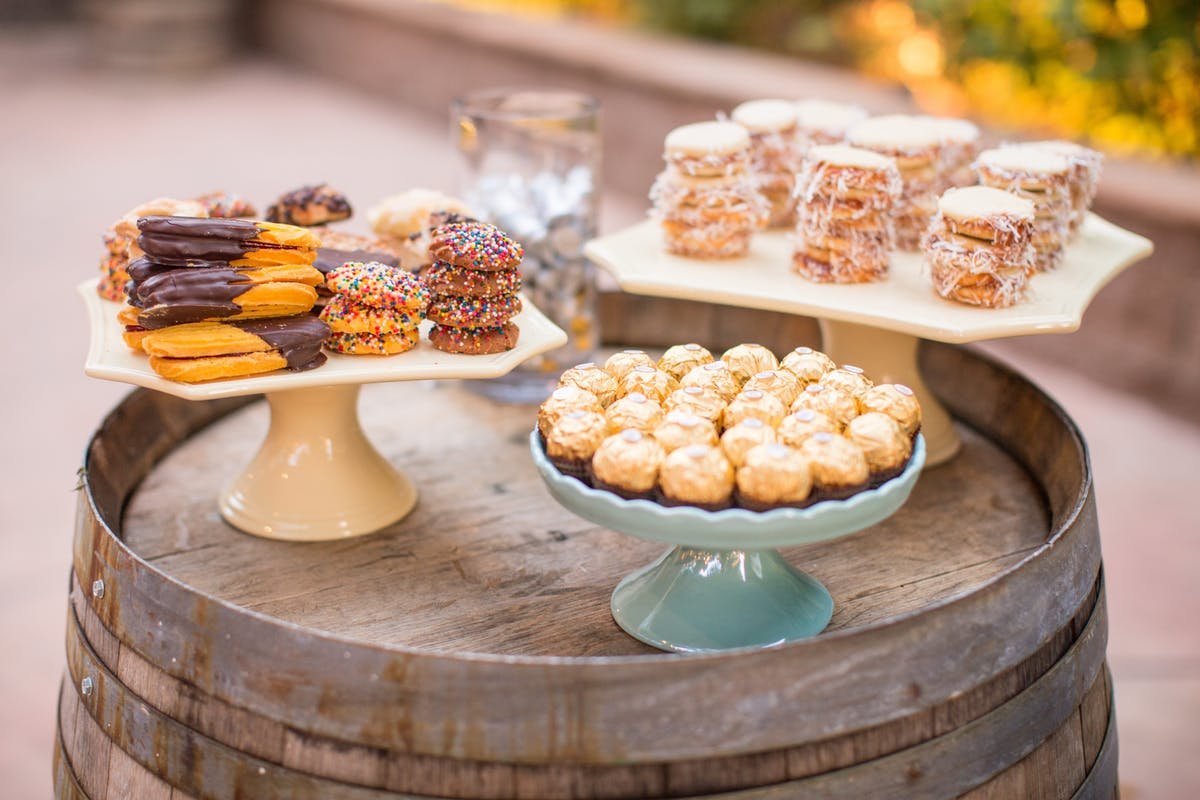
(317, 204)
(378, 285)
(475, 341)
(343, 316)
(474, 312)
(475, 245)
(373, 344)
(448, 280)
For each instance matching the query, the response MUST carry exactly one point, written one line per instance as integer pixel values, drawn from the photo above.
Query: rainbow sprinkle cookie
(372, 344)
(475, 341)
(448, 280)
(344, 316)
(475, 245)
(474, 312)
(378, 286)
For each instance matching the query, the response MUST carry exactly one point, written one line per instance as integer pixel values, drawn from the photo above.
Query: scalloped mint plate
(724, 585)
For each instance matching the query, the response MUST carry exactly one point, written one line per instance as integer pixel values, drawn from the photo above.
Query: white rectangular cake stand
(316, 476)
(875, 326)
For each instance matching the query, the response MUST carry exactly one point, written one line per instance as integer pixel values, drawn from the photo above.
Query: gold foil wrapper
(634, 410)
(717, 377)
(563, 400)
(591, 378)
(745, 436)
(897, 401)
(756, 404)
(576, 435)
(799, 425)
(837, 463)
(775, 473)
(828, 400)
(747, 360)
(882, 441)
(680, 429)
(620, 364)
(629, 460)
(699, 401)
(697, 474)
(654, 383)
(778, 382)
(808, 365)
(849, 379)
(683, 358)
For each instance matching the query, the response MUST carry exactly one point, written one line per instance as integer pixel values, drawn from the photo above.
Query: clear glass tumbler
(530, 164)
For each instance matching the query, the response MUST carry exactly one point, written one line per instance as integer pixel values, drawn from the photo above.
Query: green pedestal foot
(701, 600)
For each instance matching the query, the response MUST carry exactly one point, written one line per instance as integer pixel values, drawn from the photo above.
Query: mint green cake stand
(723, 584)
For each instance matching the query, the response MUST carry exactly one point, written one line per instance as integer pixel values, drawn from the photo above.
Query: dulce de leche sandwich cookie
(475, 341)
(446, 279)
(188, 241)
(475, 245)
(204, 351)
(318, 204)
(474, 312)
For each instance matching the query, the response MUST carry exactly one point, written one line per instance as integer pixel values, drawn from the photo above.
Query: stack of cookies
(376, 309)
(1084, 177)
(119, 239)
(774, 156)
(474, 281)
(825, 122)
(844, 214)
(745, 430)
(978, 249)
(201, 287)
(706, 198)
(916, 143)
(1044, 178)
(960, 146)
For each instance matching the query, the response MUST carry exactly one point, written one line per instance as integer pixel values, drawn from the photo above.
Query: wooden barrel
(469, 653)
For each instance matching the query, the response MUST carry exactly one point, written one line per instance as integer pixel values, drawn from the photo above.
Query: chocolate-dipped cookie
(316, 204)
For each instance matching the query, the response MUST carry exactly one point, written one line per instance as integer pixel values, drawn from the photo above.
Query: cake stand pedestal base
(692, 600)
(891, 357)
(316, 476)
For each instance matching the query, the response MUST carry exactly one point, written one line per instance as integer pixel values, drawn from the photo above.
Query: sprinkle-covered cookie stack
(375, 309)
(474, 281)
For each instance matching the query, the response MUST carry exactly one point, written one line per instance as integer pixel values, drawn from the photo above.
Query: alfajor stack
(1042, 177)
(916, 143)
(825, 121)
(1084, 177)
(774, 154)
(978, 248)
(960, 147)
(706, 198)
(844, 214)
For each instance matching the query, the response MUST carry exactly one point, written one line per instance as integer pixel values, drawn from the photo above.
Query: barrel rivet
(86, 686)
(97, 588)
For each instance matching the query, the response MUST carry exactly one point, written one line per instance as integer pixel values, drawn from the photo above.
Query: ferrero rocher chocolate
(897, 401)
(778, 382)
(885, 446)
(634, 410)
(591, 378)
(839, 467)
(680, 429)
(619, 364)
(754, 403)
(576, 436)
(747, 360)
(562, 400)
(828, 400)
(849, 379)
(807, 365)
(628, 463)
(683, 358)
(743, 437)
(799, 425)
(774, 474)
(716, 376)
(699, 401)
(698, 475)
(654, 383)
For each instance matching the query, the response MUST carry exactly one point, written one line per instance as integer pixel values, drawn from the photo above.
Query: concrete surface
(79, 147)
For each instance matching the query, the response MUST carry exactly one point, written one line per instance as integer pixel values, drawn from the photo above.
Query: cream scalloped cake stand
(875, 325)
(316, 476)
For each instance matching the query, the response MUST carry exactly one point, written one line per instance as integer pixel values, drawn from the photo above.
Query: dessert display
(375, 310)
(706, 199)
(825, 121)
(744, 412)
(1086, 165)
(774, 157)
(916, 144)
(316, 204)
(847, 196)
(120, 236)
(978, 248)
(1043, 178)
(407, 220)
(476, 268)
